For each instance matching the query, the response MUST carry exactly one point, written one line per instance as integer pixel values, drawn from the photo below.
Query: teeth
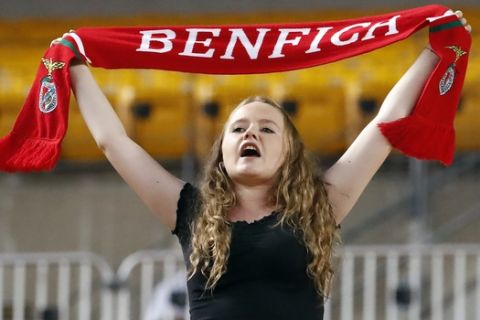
(250, 147)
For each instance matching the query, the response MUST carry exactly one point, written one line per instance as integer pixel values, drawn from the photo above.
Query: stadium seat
(160, 113)
(7, 119)
(317, 98)
(79, 144)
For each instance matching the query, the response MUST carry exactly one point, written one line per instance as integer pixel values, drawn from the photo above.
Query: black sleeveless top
(266, 272)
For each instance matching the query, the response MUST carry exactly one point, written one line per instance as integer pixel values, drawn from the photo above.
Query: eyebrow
(261, 120)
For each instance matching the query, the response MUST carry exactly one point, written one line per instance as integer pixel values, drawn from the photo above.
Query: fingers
(464, 21)
(55, 41)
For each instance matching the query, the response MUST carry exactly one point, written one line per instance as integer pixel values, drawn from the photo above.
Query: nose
(249, 133)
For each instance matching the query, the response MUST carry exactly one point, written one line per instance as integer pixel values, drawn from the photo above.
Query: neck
(252, 200)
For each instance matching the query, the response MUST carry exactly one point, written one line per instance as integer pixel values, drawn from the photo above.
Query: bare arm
(157, 188)
(349, 176)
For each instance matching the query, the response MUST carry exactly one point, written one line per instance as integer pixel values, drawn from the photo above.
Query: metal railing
(407, 282)
(139, 273)
(27, 277)
(372, 282)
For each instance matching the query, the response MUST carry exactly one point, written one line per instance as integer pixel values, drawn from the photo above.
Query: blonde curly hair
(298, 194)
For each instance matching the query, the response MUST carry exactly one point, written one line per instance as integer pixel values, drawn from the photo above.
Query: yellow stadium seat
(79, 144)
(7, 120)
(160, 112)
(154, 115)
(319, 100)
(363, 100)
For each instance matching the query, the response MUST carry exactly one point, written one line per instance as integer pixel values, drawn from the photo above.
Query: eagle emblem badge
(449, 76)
(48, 92)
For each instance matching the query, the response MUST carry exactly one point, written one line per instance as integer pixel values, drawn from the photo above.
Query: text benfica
(199, 40)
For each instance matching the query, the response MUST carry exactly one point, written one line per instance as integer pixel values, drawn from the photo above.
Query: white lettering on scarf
(147, 38)
(321, 33)
(354, 38)
(163, 39)
(192, 40)
(392, 28)
(252, 50)
(282, 40)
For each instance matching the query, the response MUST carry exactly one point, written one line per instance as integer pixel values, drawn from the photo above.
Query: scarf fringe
(28, 154)
(420, 138)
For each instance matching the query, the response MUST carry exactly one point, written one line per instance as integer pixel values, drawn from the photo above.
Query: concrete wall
(98, 212)
(82, 211)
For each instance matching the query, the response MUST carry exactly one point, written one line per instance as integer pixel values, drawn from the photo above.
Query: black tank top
(266, 274)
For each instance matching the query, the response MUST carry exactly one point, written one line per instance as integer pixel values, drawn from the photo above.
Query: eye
(238, 129)
(268, 130)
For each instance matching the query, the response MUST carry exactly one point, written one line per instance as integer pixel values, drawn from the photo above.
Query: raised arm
(157, 188)
(349, 176)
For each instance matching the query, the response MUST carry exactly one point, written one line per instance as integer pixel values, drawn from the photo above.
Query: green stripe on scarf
(69, 45)
(446, 26)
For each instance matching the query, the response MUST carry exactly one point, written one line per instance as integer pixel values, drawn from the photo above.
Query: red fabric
(428, 132)
(35, 140)
(34, 143)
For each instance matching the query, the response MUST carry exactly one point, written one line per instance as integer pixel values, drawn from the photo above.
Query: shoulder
(188, 206)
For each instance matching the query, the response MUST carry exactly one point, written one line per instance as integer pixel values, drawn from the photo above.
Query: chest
(261, 253)
(266, 253)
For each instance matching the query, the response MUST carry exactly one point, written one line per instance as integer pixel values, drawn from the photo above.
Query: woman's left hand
(464, 21)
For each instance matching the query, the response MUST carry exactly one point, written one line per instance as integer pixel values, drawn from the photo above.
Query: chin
(250, 169)
(250, 176)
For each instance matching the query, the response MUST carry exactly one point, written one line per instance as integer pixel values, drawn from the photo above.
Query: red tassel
(428, 132)
(31, 154)
(35, 141)
(420, 138)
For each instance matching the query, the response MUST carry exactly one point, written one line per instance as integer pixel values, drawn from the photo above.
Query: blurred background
(84, 206)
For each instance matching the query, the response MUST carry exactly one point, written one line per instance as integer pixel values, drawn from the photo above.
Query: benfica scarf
(427, 133)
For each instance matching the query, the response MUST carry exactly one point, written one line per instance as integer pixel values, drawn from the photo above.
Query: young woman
(257, 235)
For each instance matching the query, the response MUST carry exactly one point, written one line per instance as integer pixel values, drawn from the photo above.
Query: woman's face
(253, 145)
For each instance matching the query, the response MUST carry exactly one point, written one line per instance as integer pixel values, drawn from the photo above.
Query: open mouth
(249, 151)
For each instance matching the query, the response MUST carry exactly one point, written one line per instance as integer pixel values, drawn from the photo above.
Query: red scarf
(427, 133)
